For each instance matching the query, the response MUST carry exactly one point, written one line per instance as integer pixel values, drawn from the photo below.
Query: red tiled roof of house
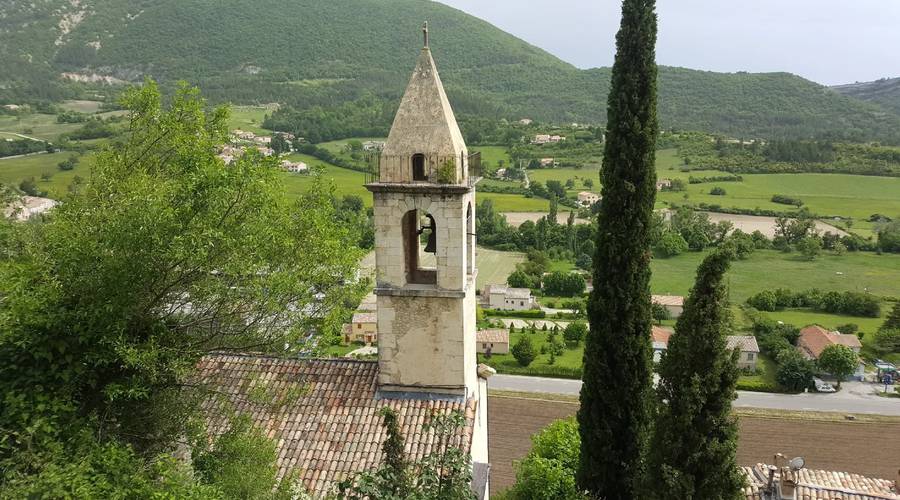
(661, 334)
(814, 339)
(667, 300)
(365, 317)
(325, 422)
(815, 484)
(494, 335)
(746, 343)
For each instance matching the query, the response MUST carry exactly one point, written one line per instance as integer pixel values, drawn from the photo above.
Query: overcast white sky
(828, 41)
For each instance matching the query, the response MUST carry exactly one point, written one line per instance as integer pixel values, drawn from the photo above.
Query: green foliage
(889, 237)
(849, 303)
(524, 351)
(575, 332)
(718, 191)
(446, 173)
(560, 284)
(659, 313)
(241, 463)
(548, 471)
(69, 163)
(810, 247)
(887, 341)
(787, 200)
(671, 244)
(444, 474)
(617, 357)
(795, 373)
(20, 147)
(162, 256)
(838, 360)
(892, 322)
(694, 444)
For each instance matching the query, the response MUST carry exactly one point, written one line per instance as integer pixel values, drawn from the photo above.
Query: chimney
(787, 484)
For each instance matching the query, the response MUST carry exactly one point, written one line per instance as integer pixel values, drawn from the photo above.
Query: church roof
(424, 123)
(822, 485)
(322, 414)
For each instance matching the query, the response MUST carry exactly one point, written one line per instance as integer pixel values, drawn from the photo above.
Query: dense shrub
(795, 372)
(764, 301)
(524, 351)
(671, 244)
(717, 191)
(787, 200)
(575, 332)
(528, 313)
(564, 284)
(849, 303)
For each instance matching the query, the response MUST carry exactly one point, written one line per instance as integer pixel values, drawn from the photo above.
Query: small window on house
(750, 356)
(359, 326)
(418, 167)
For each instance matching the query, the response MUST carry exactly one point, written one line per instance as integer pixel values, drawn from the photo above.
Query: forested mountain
(311, 52)
(885, 92)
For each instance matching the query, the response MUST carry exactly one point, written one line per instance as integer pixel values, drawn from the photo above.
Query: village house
(587, 198)
(504, 298)
(663, 184)
(541, 139)
(297, 167)
(548, 162)
(748, 348)
(814, 339)
(373, 146)
(493, 341)
(556, 138)
(363, 328)
(427, 361)
(265, 151)
(745, 344)
(525, 121)
(673, 303)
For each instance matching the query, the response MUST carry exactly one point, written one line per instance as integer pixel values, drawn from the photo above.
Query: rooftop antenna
(425, 33)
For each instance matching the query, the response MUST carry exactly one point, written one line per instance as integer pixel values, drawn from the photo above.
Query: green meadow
(345, 181)
(249, 118)
(14, 170)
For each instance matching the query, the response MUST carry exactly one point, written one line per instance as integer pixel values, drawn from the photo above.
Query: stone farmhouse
(362, 328)
(504, 298)
(425, 319)
(493, 341)
(745, 344)
(587, 198)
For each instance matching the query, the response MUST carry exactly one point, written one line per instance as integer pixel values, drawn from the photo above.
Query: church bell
(431, 246)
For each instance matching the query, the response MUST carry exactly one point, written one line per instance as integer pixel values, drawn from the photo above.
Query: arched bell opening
(419, 247)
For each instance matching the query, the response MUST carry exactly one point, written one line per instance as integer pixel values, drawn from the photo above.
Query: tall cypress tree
(615, 398)
(692, 452)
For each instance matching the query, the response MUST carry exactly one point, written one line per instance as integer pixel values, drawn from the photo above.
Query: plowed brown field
(869, 448)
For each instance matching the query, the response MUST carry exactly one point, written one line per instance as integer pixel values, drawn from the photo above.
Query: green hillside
(308, 52)
(884, 92)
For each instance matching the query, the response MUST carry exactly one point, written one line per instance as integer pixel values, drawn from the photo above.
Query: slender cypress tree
(615, 398)
(692, 452)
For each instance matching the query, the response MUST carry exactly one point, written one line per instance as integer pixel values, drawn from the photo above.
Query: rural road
(851, 399)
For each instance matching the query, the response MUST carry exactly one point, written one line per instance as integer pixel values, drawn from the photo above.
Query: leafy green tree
(810, 247)
(519, 279)
(548, 471)
(795, 373)
(892, 322)
(280, 145)
(617, 358)
(524, 351)
(660, 313)
(671, 244)
(163, 256)
(575, 332)
(887, 340)
(694, 444)
(444, 474)
(765, 300)
(838, 360)
(563, 284)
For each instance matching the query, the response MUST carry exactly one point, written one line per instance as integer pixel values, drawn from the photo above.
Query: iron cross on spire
(425, 32)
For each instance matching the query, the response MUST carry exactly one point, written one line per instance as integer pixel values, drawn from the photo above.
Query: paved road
(854, 397)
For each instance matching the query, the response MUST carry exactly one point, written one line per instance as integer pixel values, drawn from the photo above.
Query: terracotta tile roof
(365, 317)
(823, 485)
(813, 339)
(746, 343)
(661, 335)
(494, 335)
(668, 300)
(325, 421)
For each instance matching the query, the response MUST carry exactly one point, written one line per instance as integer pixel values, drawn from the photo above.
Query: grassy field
(563, 174)
(82, 106)
(491, 155)
(769, 269)
(514, 203)
(14, 170)
(494, 266)
(41, 126)
(249, 118)
(345, 181)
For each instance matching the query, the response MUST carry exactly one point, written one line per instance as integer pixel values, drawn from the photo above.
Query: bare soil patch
(765, 225)
(868, 448)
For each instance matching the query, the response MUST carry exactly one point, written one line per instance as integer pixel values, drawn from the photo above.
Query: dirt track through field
(871, 449)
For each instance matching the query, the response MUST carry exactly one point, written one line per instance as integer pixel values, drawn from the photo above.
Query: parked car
(822, 386)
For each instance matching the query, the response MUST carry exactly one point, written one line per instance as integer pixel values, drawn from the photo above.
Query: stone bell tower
(424, 204)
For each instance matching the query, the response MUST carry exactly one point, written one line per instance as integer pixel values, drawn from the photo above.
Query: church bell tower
(424, 205)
